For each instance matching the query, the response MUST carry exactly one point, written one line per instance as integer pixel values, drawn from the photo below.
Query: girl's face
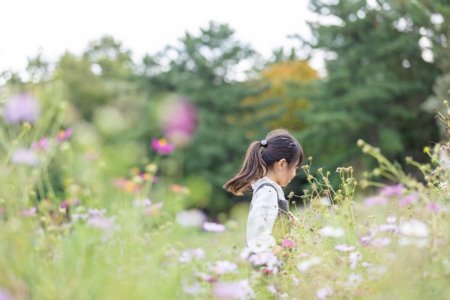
(285, 172)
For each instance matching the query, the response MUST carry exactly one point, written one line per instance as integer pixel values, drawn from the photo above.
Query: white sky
(144, 27)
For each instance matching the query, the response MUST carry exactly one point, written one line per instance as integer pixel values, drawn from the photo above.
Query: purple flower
(392, 190)
(5, 295)
(21, 108)
(434, 207)
(408, 200)
(161, 146)
(213, 227)
(101, 222)
(375, 201)
(25, 157)
(233, 290)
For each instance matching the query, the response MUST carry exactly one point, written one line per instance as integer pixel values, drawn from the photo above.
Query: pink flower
(288, 243)
(161, 146)
(392, 190)
(179, 120)
(434, 207)
(30, 212)
(42, 144)
(375, 201)
(408, 199)
(21, 108)
(64, 135)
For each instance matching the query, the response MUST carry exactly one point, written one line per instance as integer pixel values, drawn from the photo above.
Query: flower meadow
(70, 230)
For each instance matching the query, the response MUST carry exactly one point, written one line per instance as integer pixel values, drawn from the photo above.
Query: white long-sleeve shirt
(262, 215)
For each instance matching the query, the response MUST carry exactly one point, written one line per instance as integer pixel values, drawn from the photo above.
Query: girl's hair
(261, 155)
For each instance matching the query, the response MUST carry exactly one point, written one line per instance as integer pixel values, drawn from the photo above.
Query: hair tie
(263, 143)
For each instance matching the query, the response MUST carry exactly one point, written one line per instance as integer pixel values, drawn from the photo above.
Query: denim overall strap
(283, 205)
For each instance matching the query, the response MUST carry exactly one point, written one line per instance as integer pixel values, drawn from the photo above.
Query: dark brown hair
(259, 158)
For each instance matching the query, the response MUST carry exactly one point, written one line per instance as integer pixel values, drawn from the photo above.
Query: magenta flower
(288, 243)
(64, 135)
(21, 108)
(392, 190)
(179, 120)
(25, 157)
(161, 146)
(42, 144)
(376, 201)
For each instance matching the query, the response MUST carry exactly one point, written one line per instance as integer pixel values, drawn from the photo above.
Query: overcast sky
(143, 26)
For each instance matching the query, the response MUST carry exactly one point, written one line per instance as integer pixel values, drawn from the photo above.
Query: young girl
(268, 165)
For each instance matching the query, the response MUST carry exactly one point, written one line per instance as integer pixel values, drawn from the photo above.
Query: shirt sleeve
(261, 218)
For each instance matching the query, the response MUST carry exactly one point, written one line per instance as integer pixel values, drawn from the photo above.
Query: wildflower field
(96, 236)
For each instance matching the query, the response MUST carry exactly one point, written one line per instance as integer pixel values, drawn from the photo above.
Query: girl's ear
(282, 163)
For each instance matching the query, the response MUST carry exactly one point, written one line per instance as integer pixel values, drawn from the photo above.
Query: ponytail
(253, 168)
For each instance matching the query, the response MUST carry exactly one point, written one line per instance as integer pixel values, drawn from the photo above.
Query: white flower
(191, 218)
(418, 242)
(188, 255)
(295, 280)
(222, 267)
(332, 232)
(324, 292)
(233, 290)
(376, 271)
(305, 265)
(391, 219)
(213, 227)
(414, 228)
(193, 289)
(266, 258)
(272, 289)
(344, 248)
(354, 258)
(387, 227)
(380, 242)
(354, 280)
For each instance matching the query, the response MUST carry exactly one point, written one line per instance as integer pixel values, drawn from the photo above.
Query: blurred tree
(436, 41)
(205, 68)
(278, 103)
(84, 89)
(377, 80)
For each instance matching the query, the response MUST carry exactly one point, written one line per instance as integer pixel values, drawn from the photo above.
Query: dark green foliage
(376, 83)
